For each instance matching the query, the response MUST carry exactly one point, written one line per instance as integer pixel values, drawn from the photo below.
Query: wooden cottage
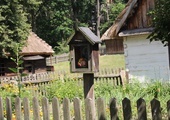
(144, 60)
(34, 56)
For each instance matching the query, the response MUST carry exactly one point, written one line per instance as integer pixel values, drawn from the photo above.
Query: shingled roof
(88, 34)
(36, 46)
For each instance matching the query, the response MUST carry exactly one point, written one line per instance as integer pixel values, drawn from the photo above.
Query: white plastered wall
(145, 60)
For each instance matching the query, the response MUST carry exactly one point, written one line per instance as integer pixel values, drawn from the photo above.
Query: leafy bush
(69, 88)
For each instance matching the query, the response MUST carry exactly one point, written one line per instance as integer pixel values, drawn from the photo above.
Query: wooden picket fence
(57, 58)
(24, 109)
(117, 76)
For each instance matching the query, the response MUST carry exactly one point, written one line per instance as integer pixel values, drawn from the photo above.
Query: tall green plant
(17, 59)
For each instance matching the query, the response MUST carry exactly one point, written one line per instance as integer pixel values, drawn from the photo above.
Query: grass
(105, 61)
(112, 61)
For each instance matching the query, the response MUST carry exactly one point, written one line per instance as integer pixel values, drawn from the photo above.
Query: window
(82, 56)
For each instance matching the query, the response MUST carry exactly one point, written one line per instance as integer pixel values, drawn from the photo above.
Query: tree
(109, 14)
(56, 19)
(54, 23)
(161, 22)
(13, 25)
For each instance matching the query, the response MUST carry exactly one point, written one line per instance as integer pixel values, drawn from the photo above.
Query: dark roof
(88, 34)
(36, 46)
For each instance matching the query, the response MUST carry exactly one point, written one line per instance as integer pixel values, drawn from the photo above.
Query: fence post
(77, 109)
(89, 109)
(88, 80)
(141, 107)
(127, 112)
(168, 109)
(55, 107)
(66, 109)
(45, 109)
(113, 109)
(8, 109)
(36, 111)
(18, 108)
(156, 110)
(1, 110)
(26, 109)
(101, 109)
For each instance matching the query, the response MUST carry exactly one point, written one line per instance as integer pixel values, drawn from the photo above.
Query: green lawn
(112, 61)
(105, 62)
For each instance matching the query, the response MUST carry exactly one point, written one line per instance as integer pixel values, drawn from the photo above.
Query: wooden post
(88, 79)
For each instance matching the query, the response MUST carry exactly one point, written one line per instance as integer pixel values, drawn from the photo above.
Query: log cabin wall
(139, 17)
(114, 46)
(5, 64)
(35, 66)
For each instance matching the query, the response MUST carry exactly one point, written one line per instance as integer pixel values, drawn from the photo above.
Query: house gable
(134, 16)
(139, 16)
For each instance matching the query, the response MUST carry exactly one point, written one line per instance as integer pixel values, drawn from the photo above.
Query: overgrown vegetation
(71, 88)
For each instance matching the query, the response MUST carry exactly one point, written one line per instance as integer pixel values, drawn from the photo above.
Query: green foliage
(69, 88)
(17, 59)
(11, 91)
(54, 22)
(61, 48)
(134, 91)
(114, 10)
(13, 25)
(161, 21)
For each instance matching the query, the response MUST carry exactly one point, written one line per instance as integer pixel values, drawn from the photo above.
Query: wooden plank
(101, 109)
(88, 79)
(45, 109)
(18, 108)
(36, 109)
(149, 7)
(55, 107)
(77, 109)
(66, 109)
(156, 109)
(113, 109)
(125, 16)
(144, 14)
(127, 112)
(8, 109)
(141, 107)
(168, 109)
(1, 109)
(26, 109)
(89, 109)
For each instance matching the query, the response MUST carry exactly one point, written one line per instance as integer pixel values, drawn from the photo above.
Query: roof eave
(136, 32)
(88, 38)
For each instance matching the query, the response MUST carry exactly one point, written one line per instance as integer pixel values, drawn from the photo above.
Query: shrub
(69, 88)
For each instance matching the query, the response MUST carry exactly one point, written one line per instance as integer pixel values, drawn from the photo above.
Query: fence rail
(56, 59)
(117, 75)
(46, 110)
